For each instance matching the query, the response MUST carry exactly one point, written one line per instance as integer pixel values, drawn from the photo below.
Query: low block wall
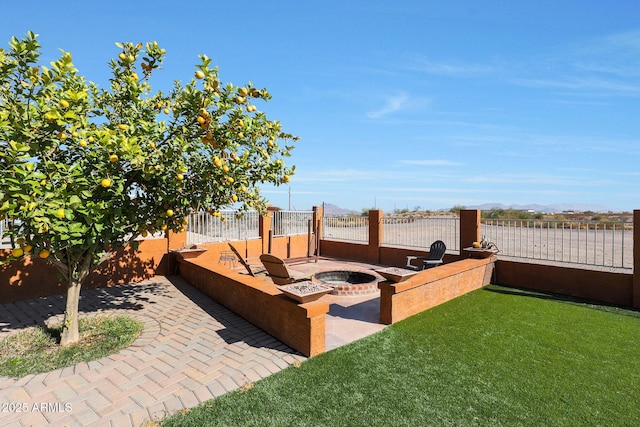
(432, 287)
(345, 250)
(605, 286)
(300, 326)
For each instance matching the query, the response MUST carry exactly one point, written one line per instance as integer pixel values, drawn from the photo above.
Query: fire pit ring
(348, 283)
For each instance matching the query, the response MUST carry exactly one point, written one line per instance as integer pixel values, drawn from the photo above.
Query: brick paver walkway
(192, 349)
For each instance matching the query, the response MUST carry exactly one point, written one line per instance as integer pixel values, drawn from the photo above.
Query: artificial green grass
(492, 357)
(35, 349)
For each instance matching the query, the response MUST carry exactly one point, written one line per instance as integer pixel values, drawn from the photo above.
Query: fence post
(470, 231)
(318, 215)
(264, 230)
(636, 260)
(375, 235)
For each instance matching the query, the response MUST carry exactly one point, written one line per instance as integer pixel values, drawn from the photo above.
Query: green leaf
(60, 228)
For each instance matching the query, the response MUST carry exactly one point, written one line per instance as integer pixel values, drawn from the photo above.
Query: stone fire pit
(348, 283)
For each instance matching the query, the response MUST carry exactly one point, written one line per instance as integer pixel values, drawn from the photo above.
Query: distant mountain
(330, 209)
(557, 207)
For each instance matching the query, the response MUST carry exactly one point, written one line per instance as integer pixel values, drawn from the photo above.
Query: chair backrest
(277, 269)
(437, 250)
(241, 259)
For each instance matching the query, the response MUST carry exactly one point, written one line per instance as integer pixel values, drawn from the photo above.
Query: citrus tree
(85, 170)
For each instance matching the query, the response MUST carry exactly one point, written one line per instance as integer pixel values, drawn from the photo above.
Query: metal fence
(4, 240)
(349, 228)
(421, 232)
(579, 242)
(230, 225)
(291, 223)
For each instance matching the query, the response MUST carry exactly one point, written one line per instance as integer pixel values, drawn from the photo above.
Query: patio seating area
(192, 349)
(195, 347)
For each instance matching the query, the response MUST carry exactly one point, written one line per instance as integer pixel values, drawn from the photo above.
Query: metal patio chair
(436, 254)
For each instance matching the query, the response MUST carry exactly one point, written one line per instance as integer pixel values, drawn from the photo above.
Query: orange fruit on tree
(44, 254)
(17, 252)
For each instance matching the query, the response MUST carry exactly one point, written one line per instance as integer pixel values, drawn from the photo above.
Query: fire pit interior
(348, 283)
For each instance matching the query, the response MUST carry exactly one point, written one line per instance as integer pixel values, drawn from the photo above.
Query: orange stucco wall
(609, 287)
(344, 250)
(29, 278)
(432, 287)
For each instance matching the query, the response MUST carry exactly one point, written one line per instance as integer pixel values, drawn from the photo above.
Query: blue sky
(406, 103)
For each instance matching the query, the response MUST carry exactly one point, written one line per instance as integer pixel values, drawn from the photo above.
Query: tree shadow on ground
(40, 311)
(236, 329)
(567, 299)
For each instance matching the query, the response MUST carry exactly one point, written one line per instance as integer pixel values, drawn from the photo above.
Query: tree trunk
(70, 333)
(76, 271)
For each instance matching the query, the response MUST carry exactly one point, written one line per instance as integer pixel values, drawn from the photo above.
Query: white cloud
(337, 175)
(393, 104)
(434, 162)
(603, 86)
(442, 68)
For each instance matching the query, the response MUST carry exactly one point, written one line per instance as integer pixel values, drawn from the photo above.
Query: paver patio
(192, 349)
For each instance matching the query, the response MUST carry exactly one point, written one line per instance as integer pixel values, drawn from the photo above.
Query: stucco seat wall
(300, 326)
(432, 287)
